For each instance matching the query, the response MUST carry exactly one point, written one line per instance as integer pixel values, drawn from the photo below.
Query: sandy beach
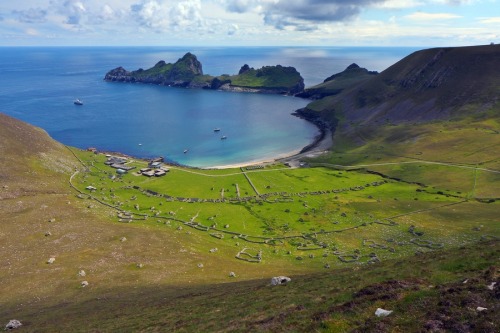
(293, 158)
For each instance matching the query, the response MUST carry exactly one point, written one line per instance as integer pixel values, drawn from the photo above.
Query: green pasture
(309, 218)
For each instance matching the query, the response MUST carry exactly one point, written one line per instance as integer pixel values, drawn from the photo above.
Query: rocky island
(188, 72)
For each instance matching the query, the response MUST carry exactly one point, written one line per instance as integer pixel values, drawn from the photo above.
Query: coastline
(321, 143)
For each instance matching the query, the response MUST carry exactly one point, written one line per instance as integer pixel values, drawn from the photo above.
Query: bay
(39, 85)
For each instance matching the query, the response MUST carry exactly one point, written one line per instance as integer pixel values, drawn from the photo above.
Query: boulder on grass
(382, 313)
(278, 280)
(13, 324)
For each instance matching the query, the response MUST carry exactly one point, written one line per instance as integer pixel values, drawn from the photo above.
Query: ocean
(39, 85)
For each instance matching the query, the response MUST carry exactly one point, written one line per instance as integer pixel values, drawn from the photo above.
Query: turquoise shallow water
(40, 84)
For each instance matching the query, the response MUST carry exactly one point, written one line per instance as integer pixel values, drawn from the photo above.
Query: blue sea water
(39, 85)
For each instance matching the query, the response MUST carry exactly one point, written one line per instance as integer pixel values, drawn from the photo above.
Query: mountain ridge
(435, 83)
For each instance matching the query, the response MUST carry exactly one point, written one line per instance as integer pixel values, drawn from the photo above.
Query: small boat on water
(223, 137)
(217, 129)
(77, 102)
(186, 150)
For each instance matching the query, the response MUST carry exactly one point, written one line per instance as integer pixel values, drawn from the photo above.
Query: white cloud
(151, 14)
(301, 15)
(32, 32)
(240, 6)
(423, 16)
(31, 15)
(249, 22)
(489, 20)
(232, 29)
(186, 14)
(399, 4)
(73, 10)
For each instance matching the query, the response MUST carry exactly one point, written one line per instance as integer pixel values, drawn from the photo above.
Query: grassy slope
(337, 83)
(426, 85)
(34, 190)
(170, 291)
(424, 291)
(272, 77)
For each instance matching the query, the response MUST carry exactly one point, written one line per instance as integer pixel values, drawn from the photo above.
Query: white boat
(77, 102)
(186, 150)
(216, 129)
(223, 137)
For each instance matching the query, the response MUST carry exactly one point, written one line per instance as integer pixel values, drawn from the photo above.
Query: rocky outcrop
(245, 68)
(180, 73)
(187, 72)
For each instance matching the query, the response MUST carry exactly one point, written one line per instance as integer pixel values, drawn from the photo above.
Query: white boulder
(13, 324)
(382, 313)
(277, 280)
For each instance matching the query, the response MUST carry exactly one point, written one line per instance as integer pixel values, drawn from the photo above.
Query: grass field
(315, 217)
(158, 252)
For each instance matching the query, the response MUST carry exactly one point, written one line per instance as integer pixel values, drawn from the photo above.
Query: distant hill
(188, 72)
(337, 83)
(438, 83)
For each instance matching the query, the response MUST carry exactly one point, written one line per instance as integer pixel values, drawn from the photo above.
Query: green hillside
(337, 83)
(426, 85)
(400, 214)
(269, 77)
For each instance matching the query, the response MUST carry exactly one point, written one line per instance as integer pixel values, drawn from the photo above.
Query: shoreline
(321, 143)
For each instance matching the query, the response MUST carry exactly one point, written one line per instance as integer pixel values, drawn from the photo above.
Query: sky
(249, 22)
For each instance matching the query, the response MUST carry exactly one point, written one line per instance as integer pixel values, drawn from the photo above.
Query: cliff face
(187, 72)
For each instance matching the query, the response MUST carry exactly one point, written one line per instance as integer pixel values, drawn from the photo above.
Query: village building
(121, 171)
(159, 173)
(155, 165)
(149, 173)
(115, 160)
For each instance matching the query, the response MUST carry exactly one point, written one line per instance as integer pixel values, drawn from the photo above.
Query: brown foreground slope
(41, 217)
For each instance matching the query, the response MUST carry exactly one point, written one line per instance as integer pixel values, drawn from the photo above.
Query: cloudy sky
(250, 22)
